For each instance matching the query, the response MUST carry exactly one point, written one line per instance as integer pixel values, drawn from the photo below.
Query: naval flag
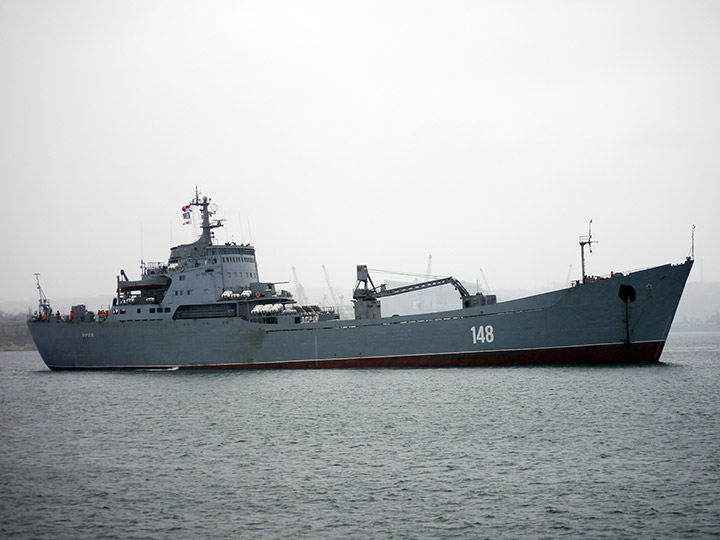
(186, 214)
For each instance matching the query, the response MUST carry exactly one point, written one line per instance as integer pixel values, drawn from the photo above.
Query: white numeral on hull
(481, 334)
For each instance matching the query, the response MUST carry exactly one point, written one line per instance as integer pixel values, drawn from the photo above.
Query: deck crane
(44, 309)
(367, 296)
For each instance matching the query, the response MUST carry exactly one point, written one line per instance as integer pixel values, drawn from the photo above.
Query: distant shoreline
(695, 327)
(15, 336)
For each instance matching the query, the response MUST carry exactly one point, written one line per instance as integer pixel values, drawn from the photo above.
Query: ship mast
(206, 236)
(692, 245)
(586, 241)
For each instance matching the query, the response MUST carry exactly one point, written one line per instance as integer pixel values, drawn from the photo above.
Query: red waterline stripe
(581, 355)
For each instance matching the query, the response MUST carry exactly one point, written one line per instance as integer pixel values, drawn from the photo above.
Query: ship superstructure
(207, 308)
(206, 280)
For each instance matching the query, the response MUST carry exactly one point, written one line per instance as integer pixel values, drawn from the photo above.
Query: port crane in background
(485, 280)
(337, 300)
(299, 290)
(427, 300)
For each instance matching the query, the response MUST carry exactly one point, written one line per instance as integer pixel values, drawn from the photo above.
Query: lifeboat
(145, 284)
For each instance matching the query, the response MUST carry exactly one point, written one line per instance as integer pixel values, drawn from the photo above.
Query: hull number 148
(482, 334)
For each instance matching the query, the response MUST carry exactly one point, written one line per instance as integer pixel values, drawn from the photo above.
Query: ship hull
(586, 355)
(592, 323)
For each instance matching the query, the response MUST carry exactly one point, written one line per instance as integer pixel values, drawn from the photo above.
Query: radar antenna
(586, 241)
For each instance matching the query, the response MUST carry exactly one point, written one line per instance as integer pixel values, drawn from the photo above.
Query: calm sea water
(552, 452)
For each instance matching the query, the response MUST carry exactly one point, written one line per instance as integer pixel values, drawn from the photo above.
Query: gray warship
(206, 308)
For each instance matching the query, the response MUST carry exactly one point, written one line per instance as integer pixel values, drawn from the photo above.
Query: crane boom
(379, 292)
(367, 296)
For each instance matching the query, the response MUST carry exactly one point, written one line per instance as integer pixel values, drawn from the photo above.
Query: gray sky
(487, 134)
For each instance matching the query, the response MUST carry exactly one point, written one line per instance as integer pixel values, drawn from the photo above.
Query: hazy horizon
(484, 134)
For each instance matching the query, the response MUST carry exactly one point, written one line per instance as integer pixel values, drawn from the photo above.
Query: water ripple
(355, 454)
